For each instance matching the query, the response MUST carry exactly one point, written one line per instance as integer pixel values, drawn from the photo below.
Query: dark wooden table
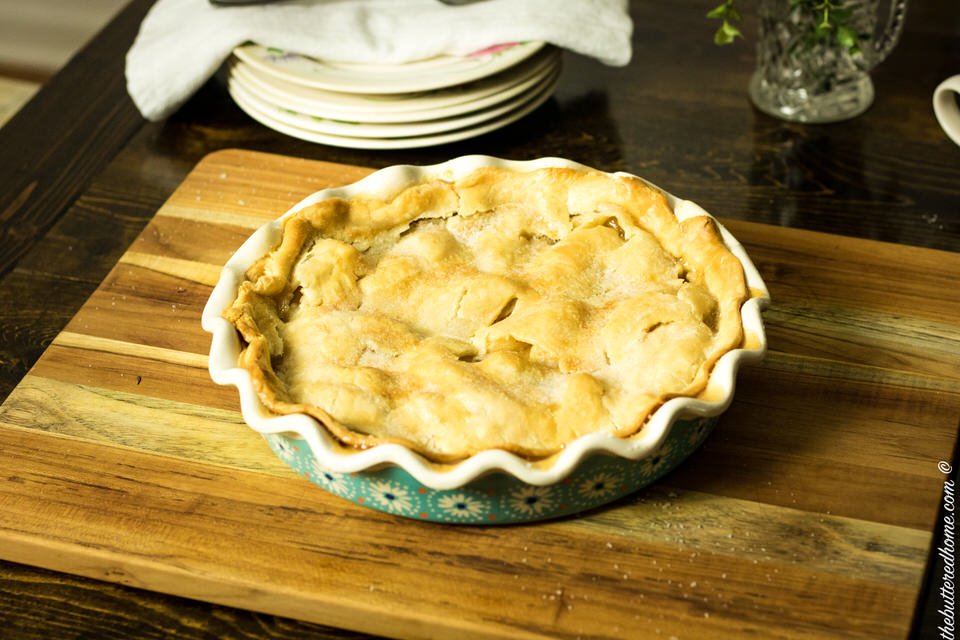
(81, 173)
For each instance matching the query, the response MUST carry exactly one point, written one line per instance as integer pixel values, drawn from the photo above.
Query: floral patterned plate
(286, 114)
(434, 73)
(268, 118)
(399, 107)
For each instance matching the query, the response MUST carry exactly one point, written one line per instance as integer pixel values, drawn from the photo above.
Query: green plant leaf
(846, 36)
(825, 21)
(726, 33)
(720, 11)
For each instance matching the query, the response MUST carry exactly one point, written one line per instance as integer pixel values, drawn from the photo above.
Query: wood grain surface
(677, 114)
(807, 513)
(69, 130)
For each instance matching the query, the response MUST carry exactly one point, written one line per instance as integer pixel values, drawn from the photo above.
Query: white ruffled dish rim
(225, 349)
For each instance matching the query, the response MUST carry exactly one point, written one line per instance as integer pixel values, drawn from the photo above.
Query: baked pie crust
(501, 310)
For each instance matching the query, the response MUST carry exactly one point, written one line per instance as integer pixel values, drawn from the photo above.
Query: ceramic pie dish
(441, 441)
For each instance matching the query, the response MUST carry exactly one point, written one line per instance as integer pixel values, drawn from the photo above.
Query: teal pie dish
(493, 486)
(498, 498)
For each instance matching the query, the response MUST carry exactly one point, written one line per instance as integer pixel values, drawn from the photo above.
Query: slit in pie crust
(501, 310)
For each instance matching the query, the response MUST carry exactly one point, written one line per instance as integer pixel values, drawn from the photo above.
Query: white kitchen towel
(182, 43)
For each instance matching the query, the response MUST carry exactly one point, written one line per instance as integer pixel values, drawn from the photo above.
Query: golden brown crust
(504, 310)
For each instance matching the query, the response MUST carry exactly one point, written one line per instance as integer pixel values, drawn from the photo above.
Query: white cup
(945, 106)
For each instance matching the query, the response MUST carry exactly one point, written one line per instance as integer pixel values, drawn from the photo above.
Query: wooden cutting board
(808, 512)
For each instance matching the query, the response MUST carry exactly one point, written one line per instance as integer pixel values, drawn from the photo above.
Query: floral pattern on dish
(498, 498)
(390, 496)
(460, 506)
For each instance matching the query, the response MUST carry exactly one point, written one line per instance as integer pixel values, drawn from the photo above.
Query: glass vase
(814, 56)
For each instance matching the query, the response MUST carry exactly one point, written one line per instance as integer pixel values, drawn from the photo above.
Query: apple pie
(498, 310)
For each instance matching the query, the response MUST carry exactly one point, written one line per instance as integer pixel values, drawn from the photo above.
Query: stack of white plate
(418, 104)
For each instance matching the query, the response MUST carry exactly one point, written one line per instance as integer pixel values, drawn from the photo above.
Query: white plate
(434, 73)
(394, 143)
(402, 107)
(385, 130)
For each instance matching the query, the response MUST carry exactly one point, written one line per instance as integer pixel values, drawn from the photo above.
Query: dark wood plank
(40, 604)
(64, 137)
